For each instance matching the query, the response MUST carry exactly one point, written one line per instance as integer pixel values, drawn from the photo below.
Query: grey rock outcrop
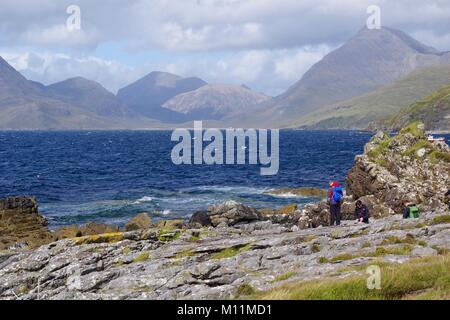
(405, 167)
(217, 263)
(200, 218)
(230, 213)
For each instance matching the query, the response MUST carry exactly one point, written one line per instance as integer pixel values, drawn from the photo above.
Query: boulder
(141, 221)
(230, 213)
(21, 225)
(348, 209)
(200, 218)
(316, 214)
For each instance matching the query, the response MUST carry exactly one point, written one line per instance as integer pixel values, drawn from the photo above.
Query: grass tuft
(284, 276)
(426, 278)
(231, 252)
(379, 252)
(245, 290)
(142, 257)
(441, 219)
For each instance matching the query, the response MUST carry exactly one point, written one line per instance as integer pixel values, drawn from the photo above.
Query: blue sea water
(111, 176)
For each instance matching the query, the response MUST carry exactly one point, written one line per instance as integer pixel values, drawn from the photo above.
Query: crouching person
(410, 210)
(361, 212)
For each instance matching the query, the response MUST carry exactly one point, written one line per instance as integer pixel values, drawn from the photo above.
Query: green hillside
(373, 109)
(433, 111)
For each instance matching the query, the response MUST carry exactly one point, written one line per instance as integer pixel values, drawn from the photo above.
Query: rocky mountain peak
(368, 61)
(147, 95)
(215, 101)
(388, 36)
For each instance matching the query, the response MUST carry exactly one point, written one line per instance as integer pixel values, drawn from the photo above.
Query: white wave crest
(143, 199)
(285, 195)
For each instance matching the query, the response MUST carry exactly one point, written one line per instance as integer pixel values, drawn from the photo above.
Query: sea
(110, 176)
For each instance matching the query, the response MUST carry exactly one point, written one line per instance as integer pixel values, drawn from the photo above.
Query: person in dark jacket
(335, 195)
(361, 212)
(405, 210)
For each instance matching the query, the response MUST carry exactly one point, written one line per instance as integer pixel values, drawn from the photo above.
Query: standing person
(335, 195)
(361, 212)
(447, 198)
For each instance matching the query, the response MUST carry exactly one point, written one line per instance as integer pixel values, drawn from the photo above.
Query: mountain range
(368, 80)
(368, 61)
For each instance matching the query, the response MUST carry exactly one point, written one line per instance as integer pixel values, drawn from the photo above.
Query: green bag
(413, 211)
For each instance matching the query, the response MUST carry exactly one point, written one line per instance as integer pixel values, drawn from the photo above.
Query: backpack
(413, 211)
(337, 194)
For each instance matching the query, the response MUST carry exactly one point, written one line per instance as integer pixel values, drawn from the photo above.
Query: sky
(265, 44)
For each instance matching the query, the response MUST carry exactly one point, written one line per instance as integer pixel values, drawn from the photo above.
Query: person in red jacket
(335, 195)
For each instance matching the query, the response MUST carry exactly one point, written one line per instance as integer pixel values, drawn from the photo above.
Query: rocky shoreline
(231, 250)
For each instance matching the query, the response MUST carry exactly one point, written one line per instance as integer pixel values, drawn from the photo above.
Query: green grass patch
(413, 128)
(245, 290)
(231, 252)
(323, 260)
(411, 152)
(315, 247)
(284, 276)
(119, 263)
(366, 245)
(409, 239)
(440, 219)
(184, 254)
(391, 240)
(360, 233)
(166, 235)
(194, 238)
(379, 252)
(422, 243)
(381, 148)
(142, 257)
(309, 238)
(415, 279)
(407, 227)
(437, 156)
(440, 250)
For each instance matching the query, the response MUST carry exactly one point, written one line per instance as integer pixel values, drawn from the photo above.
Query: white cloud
(207, 25)
(61, 36)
